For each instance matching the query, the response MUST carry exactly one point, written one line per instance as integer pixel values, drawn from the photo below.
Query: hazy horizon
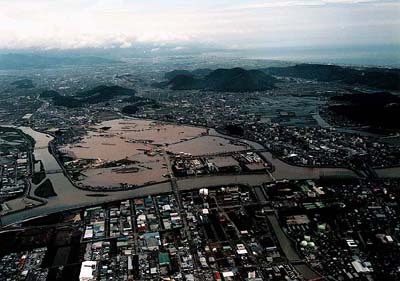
(372, 55)
(336, 31)
(232, 24)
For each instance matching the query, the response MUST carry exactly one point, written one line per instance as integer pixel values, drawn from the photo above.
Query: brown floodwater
(207, 145)
(129, 139)
(108, 177)
(69, 197)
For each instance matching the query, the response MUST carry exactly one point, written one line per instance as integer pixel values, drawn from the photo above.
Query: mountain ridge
(381, 78)
(22, 61)
(222, 79)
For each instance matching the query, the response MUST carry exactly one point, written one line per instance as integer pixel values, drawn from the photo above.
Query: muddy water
(70, 197)
(129, 139)
(159, 133)
(207, 145)
(108, 177)
(41, 151)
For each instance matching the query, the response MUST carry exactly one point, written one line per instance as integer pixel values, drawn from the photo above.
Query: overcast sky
(224, 23)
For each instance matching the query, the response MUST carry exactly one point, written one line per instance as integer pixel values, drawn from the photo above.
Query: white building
(87, 271)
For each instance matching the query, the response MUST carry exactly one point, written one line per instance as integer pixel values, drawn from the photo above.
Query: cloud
(69, 24)
(294, 3)
(179, 48)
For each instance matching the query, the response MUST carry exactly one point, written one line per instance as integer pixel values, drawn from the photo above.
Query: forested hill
(224, 80)
(381, 78)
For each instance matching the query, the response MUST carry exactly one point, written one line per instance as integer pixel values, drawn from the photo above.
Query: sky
(231, 24)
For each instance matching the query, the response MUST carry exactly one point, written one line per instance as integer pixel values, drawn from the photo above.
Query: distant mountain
(380, 109)
(388, 79)
(103, 92)
(23, 84)
(136, 102)
(49, 94)
(20, 61)
(199, 73)
(239, 80)
(93, 96)
(172, 74)
(224, 80)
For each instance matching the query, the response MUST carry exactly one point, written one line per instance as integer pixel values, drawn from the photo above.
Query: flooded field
(207, 145)
(147, 171)
(117, 139)
(140, 144)
(68, 197)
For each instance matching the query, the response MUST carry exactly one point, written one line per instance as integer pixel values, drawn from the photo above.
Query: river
(286, 171)
(69, 197)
